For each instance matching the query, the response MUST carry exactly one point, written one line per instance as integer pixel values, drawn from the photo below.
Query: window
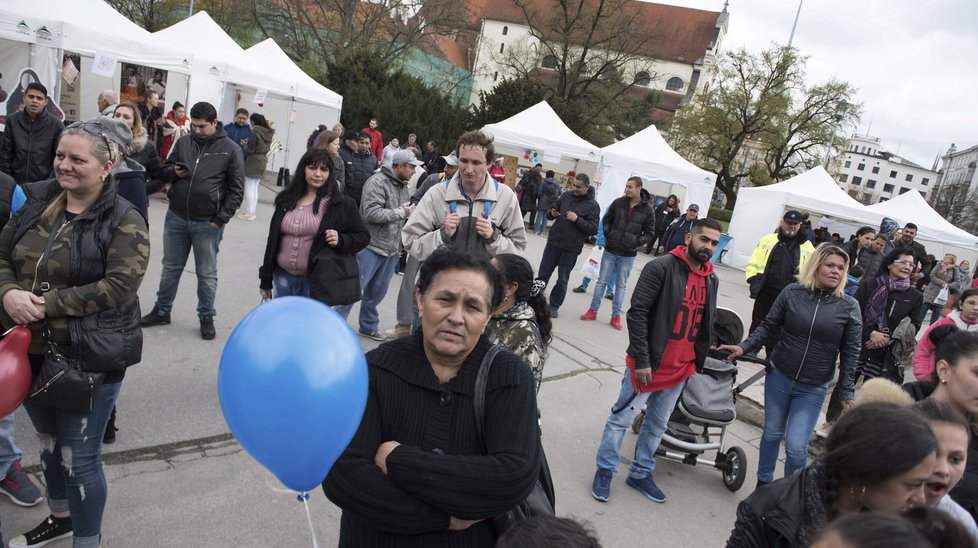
(861, 167)
(843, 177)
(642, 78)
(887, 188)
(501, 46)
(925, 181)
(549, 62)
(922, 194)
(848, 163)
(904, 190)
(876, 169)
(909, 177)
(893, 174)
(674, 84)
(857, 181)
(871, 184)
(505, 31)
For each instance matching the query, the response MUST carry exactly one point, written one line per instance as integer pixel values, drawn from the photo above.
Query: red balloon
(15, 369)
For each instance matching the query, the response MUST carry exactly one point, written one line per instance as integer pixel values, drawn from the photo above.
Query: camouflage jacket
(516, 330)
(92, 301)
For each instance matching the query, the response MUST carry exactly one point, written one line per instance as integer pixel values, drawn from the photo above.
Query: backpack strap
(479, 394)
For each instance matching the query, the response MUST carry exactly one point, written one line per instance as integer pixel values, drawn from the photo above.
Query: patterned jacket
(516, 330)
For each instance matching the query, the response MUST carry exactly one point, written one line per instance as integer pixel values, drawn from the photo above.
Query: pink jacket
(923, 355)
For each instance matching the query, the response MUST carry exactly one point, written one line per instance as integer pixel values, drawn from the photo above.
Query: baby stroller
(706, 407)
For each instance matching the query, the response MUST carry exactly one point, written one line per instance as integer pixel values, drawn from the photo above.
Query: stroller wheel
(736, 468)
(637, 423)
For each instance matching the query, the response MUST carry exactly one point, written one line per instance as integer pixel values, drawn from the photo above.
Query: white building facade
(959, 166)
(872, 175)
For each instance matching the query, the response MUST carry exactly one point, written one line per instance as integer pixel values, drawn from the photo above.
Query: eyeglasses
(905, 263)
(94, 127)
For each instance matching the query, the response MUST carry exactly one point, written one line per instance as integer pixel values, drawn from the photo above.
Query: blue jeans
(179, 237)
(617, 268)
(540, 223)
(71, 458)
(659, 406)
(564, 262)
(376, 272)
(286, 284)
(585, 282)
(791, 411)
(9, 453)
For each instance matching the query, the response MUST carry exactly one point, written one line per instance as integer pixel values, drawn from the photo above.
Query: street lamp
(840, 114)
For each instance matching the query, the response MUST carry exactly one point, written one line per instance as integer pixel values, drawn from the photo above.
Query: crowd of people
(474, 322)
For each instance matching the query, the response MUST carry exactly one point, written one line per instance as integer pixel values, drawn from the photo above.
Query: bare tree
(957, 203)
(152, 15)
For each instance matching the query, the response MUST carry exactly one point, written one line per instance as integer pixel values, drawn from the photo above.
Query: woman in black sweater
(417, 473)
(312, 206)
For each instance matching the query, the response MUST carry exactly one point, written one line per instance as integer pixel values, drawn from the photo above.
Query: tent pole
(58, 73)
(288, 136)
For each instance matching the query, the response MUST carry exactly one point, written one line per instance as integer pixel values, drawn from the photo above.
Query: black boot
(110, 429)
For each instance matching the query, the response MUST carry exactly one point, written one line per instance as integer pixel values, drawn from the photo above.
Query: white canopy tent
(759, 210)
(934, 231)
(647, 155)
(231, 78)
(539, 128)
(36, 34)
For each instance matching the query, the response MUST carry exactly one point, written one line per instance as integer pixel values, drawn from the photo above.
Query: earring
(943, 380)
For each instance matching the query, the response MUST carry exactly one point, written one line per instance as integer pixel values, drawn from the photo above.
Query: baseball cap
(792, 216)
(694, 207)
(351, 134)
(451, 159)
(405, 157)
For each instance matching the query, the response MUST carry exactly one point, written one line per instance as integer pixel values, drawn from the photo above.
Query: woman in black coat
(312, 214)
(665, 214)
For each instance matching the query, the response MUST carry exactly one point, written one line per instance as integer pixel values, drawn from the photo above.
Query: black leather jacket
(624, 234)
(815, 327)
(215, 187)
(655, 304)
(28, 146)
(570, 235)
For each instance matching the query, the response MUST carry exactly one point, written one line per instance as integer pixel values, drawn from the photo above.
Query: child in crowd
(852, 280)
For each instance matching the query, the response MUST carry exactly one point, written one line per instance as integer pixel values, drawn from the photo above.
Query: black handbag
(61, 382)
(541, 501)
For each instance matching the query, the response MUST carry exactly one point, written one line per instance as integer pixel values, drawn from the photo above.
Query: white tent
(36, 33)
(539, 128)
(231, 78)
(934, 231)
(647, 155)
(759, 210)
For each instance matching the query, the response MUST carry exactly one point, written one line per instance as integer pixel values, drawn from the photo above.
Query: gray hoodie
(381, 210)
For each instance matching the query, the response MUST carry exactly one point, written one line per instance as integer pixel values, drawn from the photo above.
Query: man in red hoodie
(670, 324)
(376, 139)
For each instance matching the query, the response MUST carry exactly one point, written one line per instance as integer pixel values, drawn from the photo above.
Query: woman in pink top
(965, 318)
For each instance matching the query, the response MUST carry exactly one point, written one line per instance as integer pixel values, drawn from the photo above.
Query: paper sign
(551, 156)
(104, 64)
(260, 96)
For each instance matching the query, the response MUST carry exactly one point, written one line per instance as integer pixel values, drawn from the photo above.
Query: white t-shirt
(959, 514)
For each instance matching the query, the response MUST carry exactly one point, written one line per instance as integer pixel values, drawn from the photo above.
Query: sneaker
(398, 331)
(616, 322)
(553, 312)
(647, 487)
(155, 317)
(110, 429)
(207, 331)
(580, 289)
(601, 486)
(19, 487)
(50, 530)
(375, 335)
(590, 315)
(609, 296)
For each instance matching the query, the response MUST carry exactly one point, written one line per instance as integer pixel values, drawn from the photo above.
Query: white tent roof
(647, 155)
(87, 27)
(539, 127)
(269, 55)
(759, 209)
(912, 207)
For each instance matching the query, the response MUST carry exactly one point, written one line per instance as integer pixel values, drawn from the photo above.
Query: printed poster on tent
(137, 80)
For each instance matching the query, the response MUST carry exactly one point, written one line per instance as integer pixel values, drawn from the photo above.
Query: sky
(914, 64)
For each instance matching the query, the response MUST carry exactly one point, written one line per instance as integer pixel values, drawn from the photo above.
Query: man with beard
(670, 325)
(774, 264)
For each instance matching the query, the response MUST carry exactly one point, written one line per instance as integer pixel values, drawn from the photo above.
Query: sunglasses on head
(93, 127)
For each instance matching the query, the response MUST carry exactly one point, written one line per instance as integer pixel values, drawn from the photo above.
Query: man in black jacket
(628, 225)
(30, 138)
(670, 324)
(676, 232)
(575, 216)
(206, 174)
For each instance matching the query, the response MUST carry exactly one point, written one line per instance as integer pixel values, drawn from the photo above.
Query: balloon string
(304, 497)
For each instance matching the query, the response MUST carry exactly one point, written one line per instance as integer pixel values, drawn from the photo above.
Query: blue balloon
(293, 388)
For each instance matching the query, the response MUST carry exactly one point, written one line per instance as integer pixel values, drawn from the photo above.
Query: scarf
(877, 303)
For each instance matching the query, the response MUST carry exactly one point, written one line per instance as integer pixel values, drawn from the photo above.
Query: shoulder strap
(479, 394)
(42, 265)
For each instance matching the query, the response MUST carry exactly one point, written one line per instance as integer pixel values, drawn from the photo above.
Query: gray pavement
(177, 478)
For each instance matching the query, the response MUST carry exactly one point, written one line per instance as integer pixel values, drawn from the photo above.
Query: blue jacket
(236, 133)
